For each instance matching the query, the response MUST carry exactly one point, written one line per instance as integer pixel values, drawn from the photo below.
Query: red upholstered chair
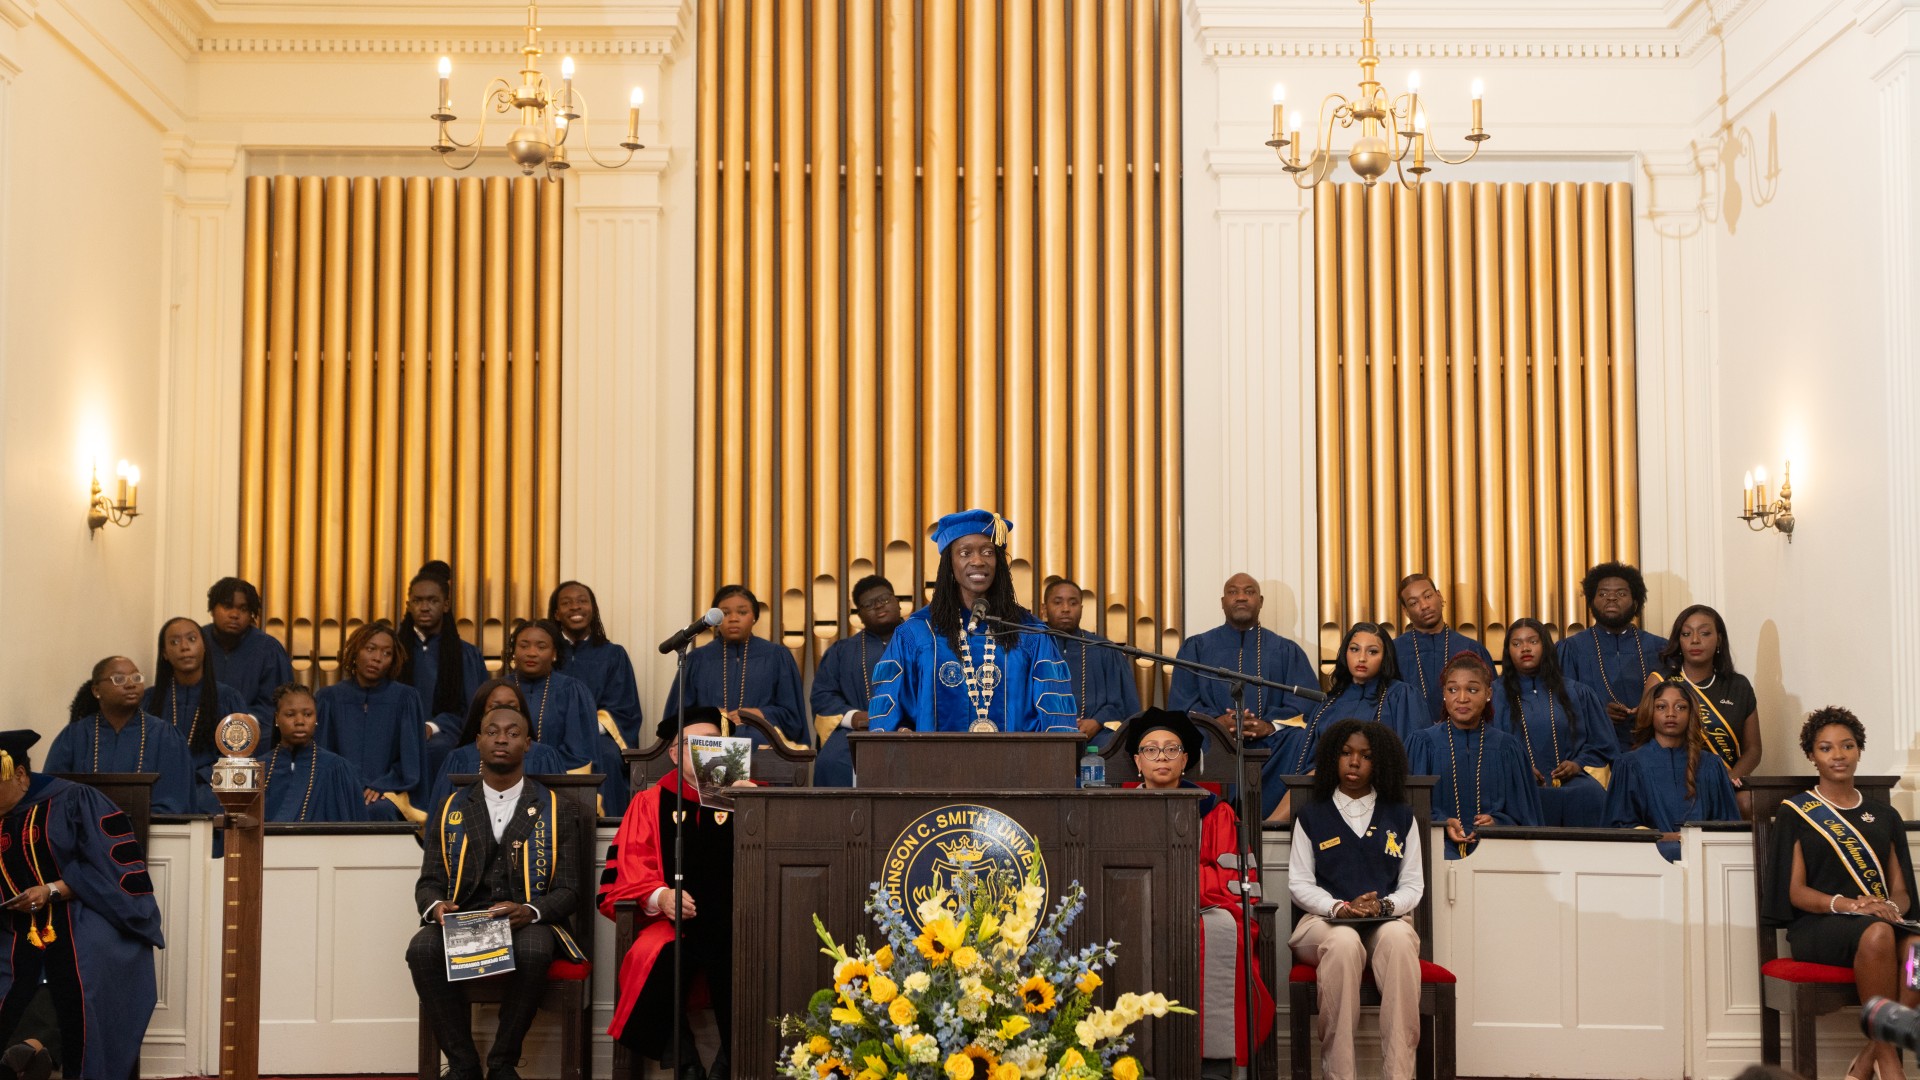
(569, 985)
(1804, 991)
(1436, 1055)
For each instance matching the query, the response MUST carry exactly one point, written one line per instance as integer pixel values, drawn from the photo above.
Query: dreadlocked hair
(84, 704)
(596, 631)
(1695, 739)
(948, 617)
(1548, 673)
(449, 678)
(206, 714)
(1389, 760)
(477, 709)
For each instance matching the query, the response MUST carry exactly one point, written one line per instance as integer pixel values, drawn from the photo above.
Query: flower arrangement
(987, 990)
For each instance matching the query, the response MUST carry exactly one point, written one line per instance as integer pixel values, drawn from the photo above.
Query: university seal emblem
(939, 844)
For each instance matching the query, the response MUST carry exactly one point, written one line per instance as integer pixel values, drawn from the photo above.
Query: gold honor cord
(1453, 770)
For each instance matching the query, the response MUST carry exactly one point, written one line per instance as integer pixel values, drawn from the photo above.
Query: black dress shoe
(722, 1069)
(503, 1072)
(23, 1062)
(691, 1070)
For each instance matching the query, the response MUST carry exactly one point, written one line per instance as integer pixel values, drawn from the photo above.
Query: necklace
(1526, 737)
(1453, 771)
(1313, 726)
(1858, 798)
(291, 764)
(981, 683)
(1259, 667)
(740, 701)
(1083, 675)
(140, 763)
(1446, 643)
(1639, 652)
(540, 718)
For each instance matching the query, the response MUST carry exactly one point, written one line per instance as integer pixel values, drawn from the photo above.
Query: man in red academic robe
(639, 869)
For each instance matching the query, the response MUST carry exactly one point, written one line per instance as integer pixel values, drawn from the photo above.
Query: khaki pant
(1339, 954)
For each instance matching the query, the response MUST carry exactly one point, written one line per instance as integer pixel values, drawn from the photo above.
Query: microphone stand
(1237, 683)
(679, 843)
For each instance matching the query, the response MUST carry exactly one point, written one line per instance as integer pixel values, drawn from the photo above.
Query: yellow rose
(960, 1067)
(1126, 1069)
(1088, 983)
(966, 958)
(882, 989)
(1008, 1072)
(1072, 1060)
(818, 1045)
(902, 1012)
(884, 958)
(1012, 1026)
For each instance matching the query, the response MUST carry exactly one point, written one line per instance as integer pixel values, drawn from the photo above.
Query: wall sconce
(125, 504)
(1761, 515)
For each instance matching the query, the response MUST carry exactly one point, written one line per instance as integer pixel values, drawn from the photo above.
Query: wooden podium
(801, 852)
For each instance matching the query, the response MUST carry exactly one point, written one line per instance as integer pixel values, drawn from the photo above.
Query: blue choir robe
(607, 673)
(843, 683)
(1258, 652)
(178, 705)
(256, 667)
(920, 684)
(147, 744)
(105, 935)
(1102, 681)
(1491, 769)
(713, 677)
(563, 717)
(1548, 738)
(1627, 658)
(1394, 704)
(423, 671)
(1650, 792)
(1421, 657)
(382, 733)
(541, 760)
(314, 784)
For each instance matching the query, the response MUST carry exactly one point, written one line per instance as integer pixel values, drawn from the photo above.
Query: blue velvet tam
(970, 523)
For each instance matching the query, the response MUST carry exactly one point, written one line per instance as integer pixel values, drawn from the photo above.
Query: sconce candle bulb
(1758, 513)
(122, 507)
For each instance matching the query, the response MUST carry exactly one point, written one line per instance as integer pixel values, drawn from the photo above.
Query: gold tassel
(47, 936)
(33, 934)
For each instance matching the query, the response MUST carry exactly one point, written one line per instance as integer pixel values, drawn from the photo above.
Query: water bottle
(1093, 768)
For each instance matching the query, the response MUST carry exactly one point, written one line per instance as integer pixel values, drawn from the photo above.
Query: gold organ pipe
(706, 330)
(1144, 553)
(1625, 421)
(794, 475)
(424, 201)
(729, 435)
(940, 133)
(520, 439)
(253, 378)
(900, 483)
(1017, 283)
(495, 516)
(552, 228)
(280, 375)
(303, 570)
(1465, 596)
(1409, 417)
(1329, 254)
(1566, 302)
(1085, 210)
(829, 428)
(330, 415)
(1493, 451)
(1172, 425)
(458, 429)
(456, 259)
(1435, 415)
(1521, 458)
(1055, 339)
(1374, 444)
(1595, 325)
(385, 475)
(1117, 371)
(862, 340)
(355, 533)
(1352, 440)
(1546, 438)
(986, 418)
(760, 431)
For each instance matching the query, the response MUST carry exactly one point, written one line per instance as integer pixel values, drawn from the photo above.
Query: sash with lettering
(536, 858)
(1718, 730)
(1855, 853)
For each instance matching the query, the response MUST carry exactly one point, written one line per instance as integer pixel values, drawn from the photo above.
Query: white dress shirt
(500, 806)
(1358, 814)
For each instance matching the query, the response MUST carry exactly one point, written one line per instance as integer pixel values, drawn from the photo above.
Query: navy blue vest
(1347, 865)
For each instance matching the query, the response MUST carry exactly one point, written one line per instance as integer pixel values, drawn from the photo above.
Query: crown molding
(418, 27)
(428, 44)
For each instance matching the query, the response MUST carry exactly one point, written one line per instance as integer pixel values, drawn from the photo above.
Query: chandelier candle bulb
(1747, 504)
(1760, 488)
(633, 115)
(1479, 90)
(120, 493)
(1293, 154)
(446, 76)
(130, 489)
(1279, 114)
(566, 85)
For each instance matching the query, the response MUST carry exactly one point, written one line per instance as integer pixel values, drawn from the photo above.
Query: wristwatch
(1386, 907)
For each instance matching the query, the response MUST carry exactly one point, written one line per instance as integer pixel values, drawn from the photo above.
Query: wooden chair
(131, 792)
(569, 989)
(1436, 1057)
(778, 760)
(1803, 990)
(1215, 768)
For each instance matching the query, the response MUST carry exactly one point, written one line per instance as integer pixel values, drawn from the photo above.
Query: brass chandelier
(547, 118)
(1393, 130)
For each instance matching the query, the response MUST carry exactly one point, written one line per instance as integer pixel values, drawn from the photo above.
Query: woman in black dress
(1833, 897)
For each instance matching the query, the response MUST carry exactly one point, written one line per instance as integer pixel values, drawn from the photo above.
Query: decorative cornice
(168, 22)
(655, 45)
(18, 13)
(1223, 45)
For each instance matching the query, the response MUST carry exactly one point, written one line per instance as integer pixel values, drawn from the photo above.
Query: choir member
(1698, 653)
(184, 668)
(431, 636)
(1366, 686)
(1162, 743)
(251, 660)
(1561, 724)
(948, 670)
(1666, 780)
(1839, 873)
(558, 705)
(1613, 656)
(739, 673)
(605, 670)
(843, 683)
(1243, 645)
(376, 722)
(1102, 679)
(640, 869)
(108, 732)
(304, 781)
(78, 894)
(1481, 772)
(464, 758)
(1429, 641)
(1355, 874)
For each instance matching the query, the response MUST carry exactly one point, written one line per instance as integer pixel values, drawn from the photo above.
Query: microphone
(682, 638)
(1890, 1021)
(980, 608)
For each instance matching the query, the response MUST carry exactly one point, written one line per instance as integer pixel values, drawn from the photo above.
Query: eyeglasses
(1162, 753)
(135, 679)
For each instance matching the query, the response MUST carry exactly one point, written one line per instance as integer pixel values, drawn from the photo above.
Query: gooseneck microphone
(682, 638)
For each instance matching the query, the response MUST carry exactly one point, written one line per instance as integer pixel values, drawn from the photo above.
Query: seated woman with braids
(1670, 777)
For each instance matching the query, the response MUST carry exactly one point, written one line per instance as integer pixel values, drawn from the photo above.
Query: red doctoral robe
(1219, 835)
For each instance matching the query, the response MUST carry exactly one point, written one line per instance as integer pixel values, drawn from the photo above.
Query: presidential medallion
(990, 676)
(950, 675)
(982, 724)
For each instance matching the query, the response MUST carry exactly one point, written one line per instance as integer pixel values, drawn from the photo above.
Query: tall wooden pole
(238, 783)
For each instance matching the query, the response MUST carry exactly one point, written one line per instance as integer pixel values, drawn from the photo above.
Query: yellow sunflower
(832, 1069)
(1126, 1069)
(939, 939)
(976, 1062)
(1037, 994)
(851, 973)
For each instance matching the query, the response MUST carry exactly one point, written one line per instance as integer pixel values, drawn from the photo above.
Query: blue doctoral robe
(1587, 741)
(843, 683)
(1650, 792)
(1394, 704)
(147, 744)
(920, 685)
(105, 935)
(1421, 657)
(607, 673)
(1102, 682)
(541, 760)
(382, 733)
(1627, 656)
(563, 717)
(314, 784)
(178, 704)
(256, 667)
(1491, 769)
(713, 677)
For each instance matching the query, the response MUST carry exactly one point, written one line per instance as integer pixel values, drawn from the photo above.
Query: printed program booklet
(478, 944)
(718, 761)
